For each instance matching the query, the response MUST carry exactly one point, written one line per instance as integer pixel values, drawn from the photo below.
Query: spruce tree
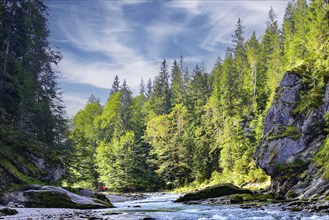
(177, 85)
(160, 99)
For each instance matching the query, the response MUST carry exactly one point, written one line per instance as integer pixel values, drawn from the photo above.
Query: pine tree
(85, 137)
(244, 79)
(177, 85)
(142, 88)
(288, 30)
(29, 97)
(115, 86)
(149, 89)
(160, 99)
(318, 36)
(299, 37)
(271, 44)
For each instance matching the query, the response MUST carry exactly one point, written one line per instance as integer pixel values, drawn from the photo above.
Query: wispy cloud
(223, 15)
(99, 39)
(74, 102)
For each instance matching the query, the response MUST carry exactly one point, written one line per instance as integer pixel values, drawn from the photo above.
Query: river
(161, 207)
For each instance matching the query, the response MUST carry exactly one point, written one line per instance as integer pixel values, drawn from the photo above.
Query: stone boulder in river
(213, 192)
(52, 197)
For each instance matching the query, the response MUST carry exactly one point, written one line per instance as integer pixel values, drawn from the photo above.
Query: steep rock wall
(291, 140)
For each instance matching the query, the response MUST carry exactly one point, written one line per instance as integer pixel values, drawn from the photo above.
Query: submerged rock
(213, 192)
(52, 197)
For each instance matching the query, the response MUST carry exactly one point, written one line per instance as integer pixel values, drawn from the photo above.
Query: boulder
(52, 197)
(213, 192)
(7, 211)
(92, 194)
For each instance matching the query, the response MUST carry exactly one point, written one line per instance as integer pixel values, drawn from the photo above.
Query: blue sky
(103, 38)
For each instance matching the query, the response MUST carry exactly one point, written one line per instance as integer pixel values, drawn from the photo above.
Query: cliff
(292, 148)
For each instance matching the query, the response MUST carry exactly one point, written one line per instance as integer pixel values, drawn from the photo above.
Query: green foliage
(160, 98)
(314, 86)
(169, 138)
(321, 159)
(32, 116)
(200, 128)
(291, 132)
(84, 135)
(121, 165)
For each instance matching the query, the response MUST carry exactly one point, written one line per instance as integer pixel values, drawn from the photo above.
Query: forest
(185, 128)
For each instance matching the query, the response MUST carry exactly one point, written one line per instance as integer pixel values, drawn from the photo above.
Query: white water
(161, 207)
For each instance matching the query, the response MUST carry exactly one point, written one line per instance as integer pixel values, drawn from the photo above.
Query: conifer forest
(188, 127)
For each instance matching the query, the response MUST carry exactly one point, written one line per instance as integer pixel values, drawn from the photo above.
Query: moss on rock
(7, 211)
(291, 132)
(213, 192)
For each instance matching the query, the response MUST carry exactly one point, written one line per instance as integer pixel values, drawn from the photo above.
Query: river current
(161, 207)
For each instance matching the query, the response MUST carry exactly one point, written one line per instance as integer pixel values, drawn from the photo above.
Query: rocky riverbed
(161, 206)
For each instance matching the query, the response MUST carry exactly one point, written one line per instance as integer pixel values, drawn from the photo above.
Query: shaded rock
(324, 206)
(92, 194)
(7, 211)
(14, 205)
(251, 206)
(213, 192)
(87, 193)
(52, 197)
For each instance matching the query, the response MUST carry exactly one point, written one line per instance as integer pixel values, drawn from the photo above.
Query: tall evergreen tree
(318, 35)
(85, 136)
(288, 30)
(299, 37)
(30, 100)
(149, 89)
(177, 85)
(115, 86)
(142, 88)
(271, 44)
(160, 99)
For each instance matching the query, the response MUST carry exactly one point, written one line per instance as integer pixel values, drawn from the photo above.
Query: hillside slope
(27, 163)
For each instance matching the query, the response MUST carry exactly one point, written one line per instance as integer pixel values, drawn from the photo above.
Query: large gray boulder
(291, 139)
(213, 192)
(52, 197)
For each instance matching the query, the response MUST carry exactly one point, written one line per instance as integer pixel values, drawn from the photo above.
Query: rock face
(291, 139)
(51, 197)
(213, 192)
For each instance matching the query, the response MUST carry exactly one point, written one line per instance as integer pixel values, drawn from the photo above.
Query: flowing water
(161, 207)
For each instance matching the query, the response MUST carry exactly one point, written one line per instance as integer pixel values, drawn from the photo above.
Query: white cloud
(223, 15)
(101, 75)
(98, 42)
(74, 103)
(104, 34)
